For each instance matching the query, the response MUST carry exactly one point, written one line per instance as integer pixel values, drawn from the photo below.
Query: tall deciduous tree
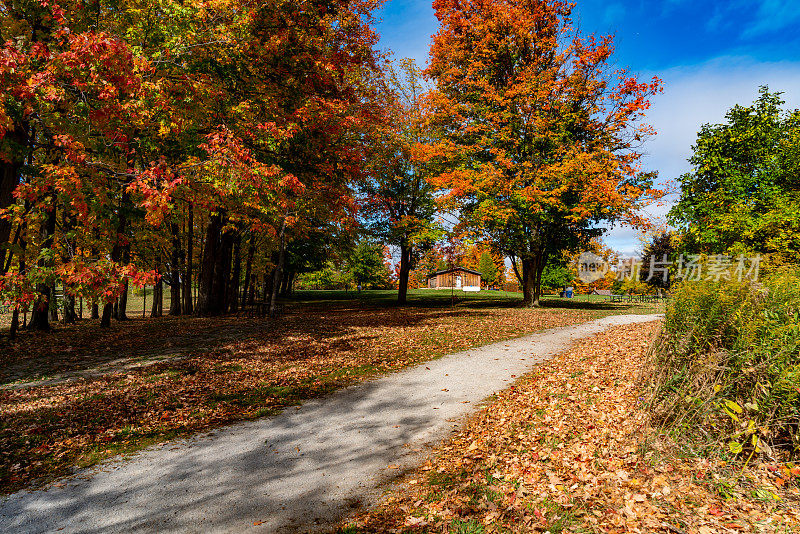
(69, 92)
(367, 266)
(658, 254)
(130, 117)
(744, 191)
(398, 201)
(487, 268)
(540, 133)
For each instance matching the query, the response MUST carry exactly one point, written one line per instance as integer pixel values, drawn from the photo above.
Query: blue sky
(711, 55)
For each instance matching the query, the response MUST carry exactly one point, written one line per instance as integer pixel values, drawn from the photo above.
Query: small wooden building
(456, 278)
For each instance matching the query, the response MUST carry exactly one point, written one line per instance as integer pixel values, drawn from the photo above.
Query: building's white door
(458, 281)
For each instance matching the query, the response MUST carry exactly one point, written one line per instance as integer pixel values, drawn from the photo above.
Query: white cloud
(773, 15)
(696, 95)
(755, 17)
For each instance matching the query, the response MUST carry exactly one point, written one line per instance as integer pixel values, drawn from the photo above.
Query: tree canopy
(540, 135)
(125, 127)
(397, 198)
(743, 194)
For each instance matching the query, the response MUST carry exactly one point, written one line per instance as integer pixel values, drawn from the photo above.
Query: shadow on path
(301, 469)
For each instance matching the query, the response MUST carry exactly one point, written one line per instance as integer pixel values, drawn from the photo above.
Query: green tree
(743, 193)
(329, 277)
(398, 199)
(556, 275)
(657, 257)
(487, 268)
(367, 267)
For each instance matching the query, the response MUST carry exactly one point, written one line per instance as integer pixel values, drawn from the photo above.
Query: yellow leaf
(733, 406)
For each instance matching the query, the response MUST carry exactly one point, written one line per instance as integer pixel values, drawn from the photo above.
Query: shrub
(725, 371)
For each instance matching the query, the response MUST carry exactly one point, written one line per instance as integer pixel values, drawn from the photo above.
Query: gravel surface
(298, 471)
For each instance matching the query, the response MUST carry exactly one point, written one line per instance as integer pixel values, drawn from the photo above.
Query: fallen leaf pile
(568, 449)
(253, 367)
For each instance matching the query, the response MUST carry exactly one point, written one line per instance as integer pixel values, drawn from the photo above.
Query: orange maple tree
(129, 129)
(541, 134)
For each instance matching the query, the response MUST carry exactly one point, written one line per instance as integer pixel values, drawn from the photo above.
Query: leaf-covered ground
(569, 449)
(253, 368)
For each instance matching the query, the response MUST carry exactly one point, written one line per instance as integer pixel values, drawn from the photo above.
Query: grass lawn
(148, 380)
(415, 296)
(434, 297)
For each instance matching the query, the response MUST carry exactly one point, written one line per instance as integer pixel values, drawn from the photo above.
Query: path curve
(298, 470)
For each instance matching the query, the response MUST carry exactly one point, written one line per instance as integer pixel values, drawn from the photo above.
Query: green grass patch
(466, 527)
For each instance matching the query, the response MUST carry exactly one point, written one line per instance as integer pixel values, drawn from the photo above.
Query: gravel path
(296, 471)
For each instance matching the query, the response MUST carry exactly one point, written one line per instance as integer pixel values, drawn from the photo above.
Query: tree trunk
(122, 306)
(233, 292)
(187, 278)
(158, 292)
(247, 272)
(175, 274)
(10, 257)
(532, 268)
(116, 255)
(278, 273)
(9, 179)
(53, 304)
(95, 311)
(68, 252)
(23, 245)
(269, 276)
(200, 270)
(405, 269)
(12, 331)
(222, 273)
(205, 304)
(251, 297)
(40, 316)
(286, 284)
(108, 310)
(70, 316)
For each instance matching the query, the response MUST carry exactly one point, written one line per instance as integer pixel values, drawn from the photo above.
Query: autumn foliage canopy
(540, 132)
(123, 123)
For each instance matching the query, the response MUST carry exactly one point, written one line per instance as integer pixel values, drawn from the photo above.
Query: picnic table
(636, 298)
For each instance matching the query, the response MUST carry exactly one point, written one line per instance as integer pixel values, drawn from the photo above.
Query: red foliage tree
(541, 135)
